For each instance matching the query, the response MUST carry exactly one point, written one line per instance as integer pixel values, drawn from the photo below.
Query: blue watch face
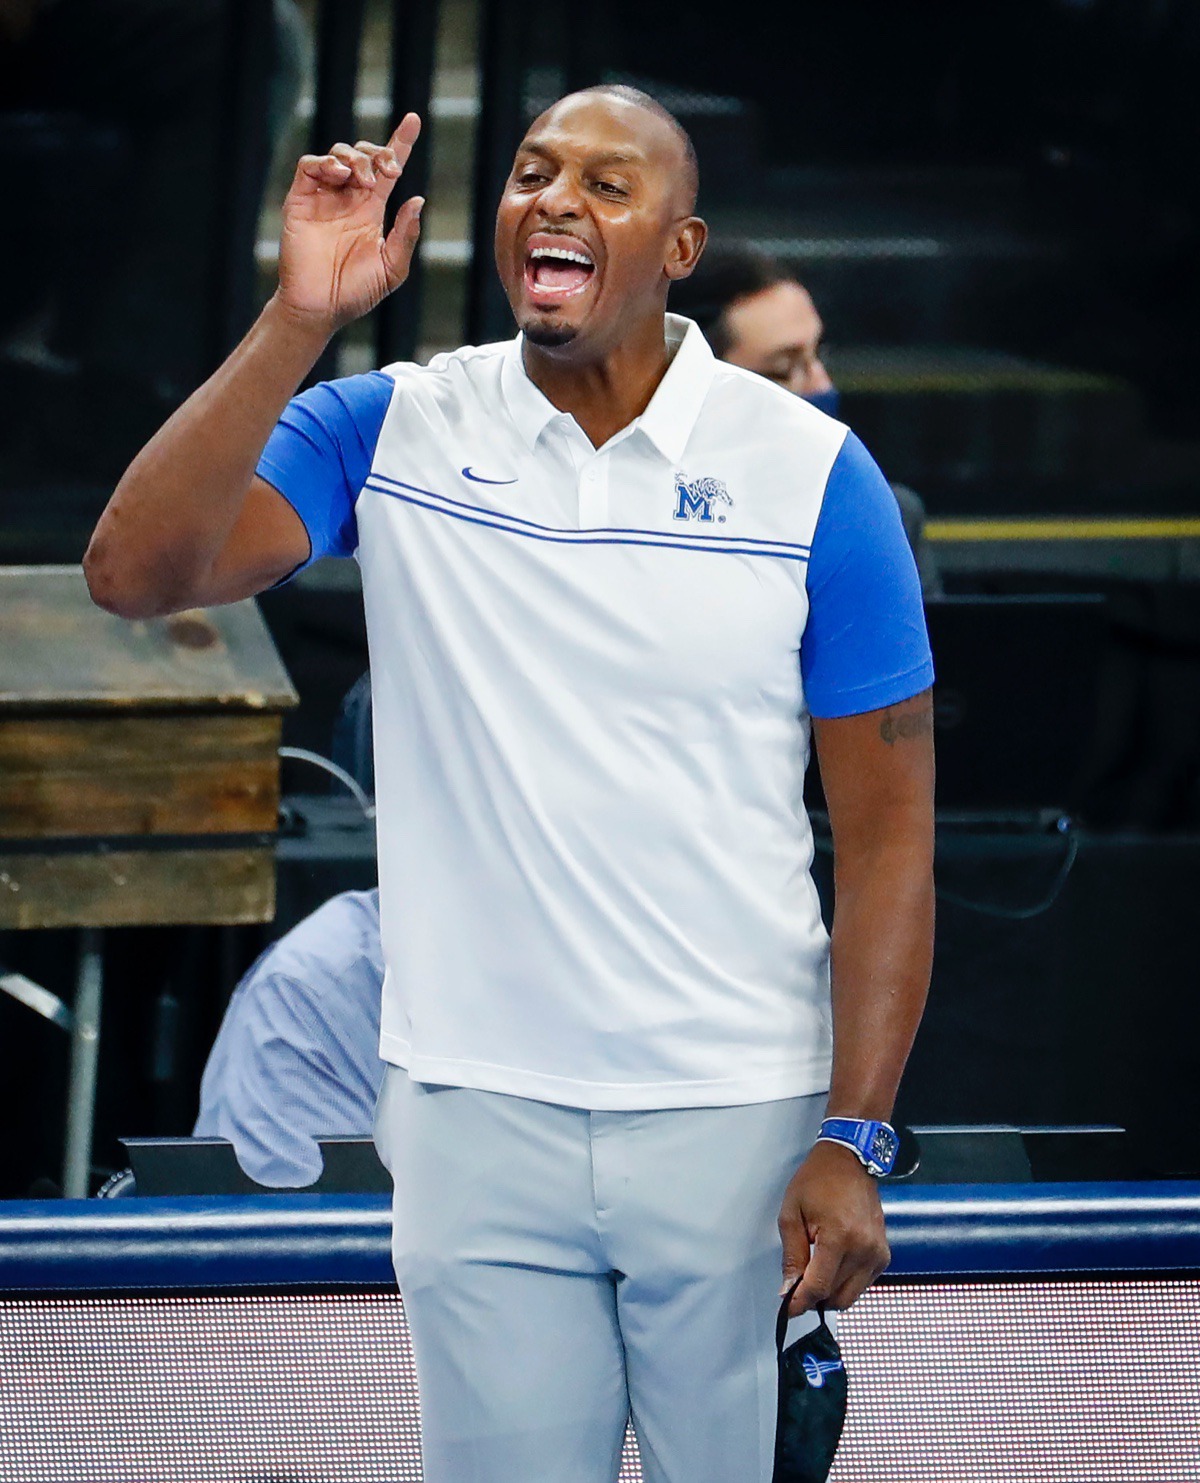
(884, 1147)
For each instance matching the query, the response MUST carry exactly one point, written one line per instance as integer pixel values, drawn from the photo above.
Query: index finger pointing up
(402, 141)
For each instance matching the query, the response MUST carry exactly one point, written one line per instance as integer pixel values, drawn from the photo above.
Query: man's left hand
(832, 1228)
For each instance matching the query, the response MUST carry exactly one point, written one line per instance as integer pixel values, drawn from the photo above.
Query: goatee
(548, 336)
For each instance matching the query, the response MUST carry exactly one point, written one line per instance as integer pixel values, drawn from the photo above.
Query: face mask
(825, 401)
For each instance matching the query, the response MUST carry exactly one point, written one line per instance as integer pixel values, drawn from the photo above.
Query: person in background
(297, 1054)
(755, 314)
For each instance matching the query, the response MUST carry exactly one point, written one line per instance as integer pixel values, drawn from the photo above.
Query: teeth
(563, 254)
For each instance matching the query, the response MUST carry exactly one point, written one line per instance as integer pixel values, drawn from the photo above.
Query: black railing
(414, 26)
(243, 153)
(502, 53)
(413, 45)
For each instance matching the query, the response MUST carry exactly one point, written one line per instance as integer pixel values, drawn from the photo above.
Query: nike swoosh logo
(816, 1369)
(479, 479)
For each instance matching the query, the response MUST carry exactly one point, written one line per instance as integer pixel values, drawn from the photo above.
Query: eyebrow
(609, 157)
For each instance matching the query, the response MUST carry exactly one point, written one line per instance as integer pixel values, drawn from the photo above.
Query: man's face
(594, 222)
(777, 333)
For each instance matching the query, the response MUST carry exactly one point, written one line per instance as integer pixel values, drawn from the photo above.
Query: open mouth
(556, 272)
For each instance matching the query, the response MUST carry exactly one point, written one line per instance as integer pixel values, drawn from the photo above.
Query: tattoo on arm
(900, 726)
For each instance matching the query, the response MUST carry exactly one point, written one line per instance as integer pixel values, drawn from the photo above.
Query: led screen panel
(1075, 1381)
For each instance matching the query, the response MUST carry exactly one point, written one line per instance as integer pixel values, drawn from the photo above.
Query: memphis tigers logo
(696, 500)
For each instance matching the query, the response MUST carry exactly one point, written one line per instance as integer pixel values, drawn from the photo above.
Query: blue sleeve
(865, 645)
(320, 454)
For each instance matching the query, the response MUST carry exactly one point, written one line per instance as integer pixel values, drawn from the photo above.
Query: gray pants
(563, 1270)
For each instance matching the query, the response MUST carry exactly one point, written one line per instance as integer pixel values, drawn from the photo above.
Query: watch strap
(874, 1143)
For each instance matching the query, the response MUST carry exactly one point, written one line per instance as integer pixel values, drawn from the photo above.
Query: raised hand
(335, 263)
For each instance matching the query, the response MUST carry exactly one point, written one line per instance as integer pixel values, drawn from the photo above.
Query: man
(297, 1055)
(755, 314)
(607, 581)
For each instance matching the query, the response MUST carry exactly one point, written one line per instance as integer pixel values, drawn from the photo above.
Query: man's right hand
(335, 263)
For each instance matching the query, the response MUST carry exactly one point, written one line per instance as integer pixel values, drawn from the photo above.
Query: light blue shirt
(297, 1058)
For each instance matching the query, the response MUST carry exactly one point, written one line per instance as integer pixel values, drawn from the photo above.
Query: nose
(562, 198)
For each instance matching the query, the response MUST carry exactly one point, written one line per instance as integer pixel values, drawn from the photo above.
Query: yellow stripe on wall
(1063, 530)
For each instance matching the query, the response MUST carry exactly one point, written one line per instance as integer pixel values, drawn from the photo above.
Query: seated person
(297, 1055)
(755, 314)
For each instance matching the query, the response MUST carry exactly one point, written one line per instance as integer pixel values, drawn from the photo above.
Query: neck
(605, 392)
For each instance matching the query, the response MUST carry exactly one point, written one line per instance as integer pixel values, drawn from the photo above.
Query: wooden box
(139, 768)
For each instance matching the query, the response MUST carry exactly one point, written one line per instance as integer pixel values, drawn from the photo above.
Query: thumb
(400, 243)
(796, 1252)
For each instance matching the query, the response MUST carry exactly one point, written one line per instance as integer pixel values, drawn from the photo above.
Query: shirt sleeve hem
(877, 695)
(265, 471)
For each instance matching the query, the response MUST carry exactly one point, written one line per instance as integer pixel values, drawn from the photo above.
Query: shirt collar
(669, 419)
(527, 406)
(673, 409)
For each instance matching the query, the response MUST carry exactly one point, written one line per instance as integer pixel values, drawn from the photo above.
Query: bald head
(678, 140)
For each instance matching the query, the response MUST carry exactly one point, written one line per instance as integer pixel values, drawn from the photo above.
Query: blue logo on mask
(816, 1369)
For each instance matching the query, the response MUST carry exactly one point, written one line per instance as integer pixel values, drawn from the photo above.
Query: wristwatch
(874, 1143)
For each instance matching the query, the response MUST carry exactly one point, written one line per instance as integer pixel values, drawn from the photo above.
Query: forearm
(881, 958)
(178, 501)
(877, 768)
(831, 1221)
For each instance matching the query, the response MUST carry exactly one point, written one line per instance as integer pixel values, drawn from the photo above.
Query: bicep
(877, 770)
(866, 662)
(300, 505)
(865, 644)
(866, 665)
(267, 543)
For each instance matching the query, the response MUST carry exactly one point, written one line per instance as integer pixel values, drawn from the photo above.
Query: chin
(548, 336)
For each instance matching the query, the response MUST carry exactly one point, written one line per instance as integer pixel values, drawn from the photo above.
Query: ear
(690, 237)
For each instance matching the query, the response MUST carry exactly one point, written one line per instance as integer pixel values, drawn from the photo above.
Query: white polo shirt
(589, 673)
